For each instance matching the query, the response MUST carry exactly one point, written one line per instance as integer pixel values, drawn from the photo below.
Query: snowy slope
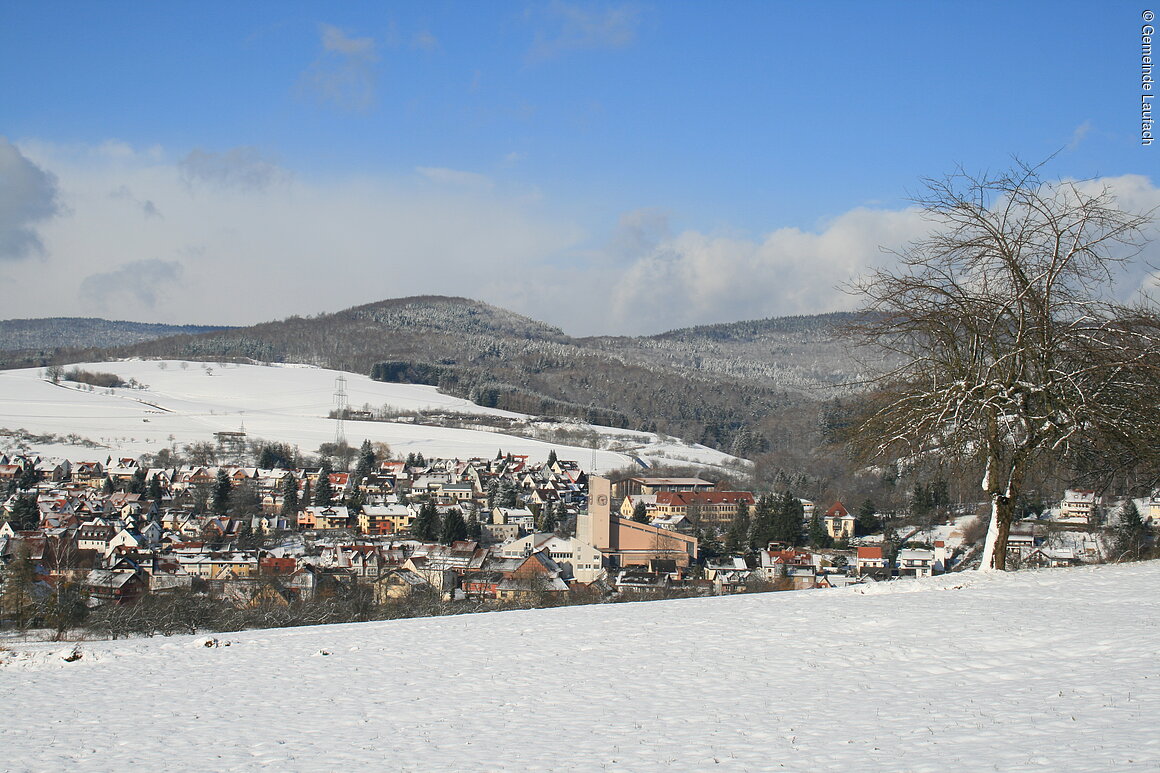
(1037, 671)
(188, 402)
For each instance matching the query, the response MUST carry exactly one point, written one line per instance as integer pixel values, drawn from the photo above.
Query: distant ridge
(746, 388)
(85, 333)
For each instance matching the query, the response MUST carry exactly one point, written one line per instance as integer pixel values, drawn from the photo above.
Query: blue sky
(607, 167)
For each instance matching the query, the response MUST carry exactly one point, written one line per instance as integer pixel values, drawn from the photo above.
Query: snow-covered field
(1037, 671)
(187, 402)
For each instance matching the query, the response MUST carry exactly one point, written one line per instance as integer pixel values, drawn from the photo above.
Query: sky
(610, 168)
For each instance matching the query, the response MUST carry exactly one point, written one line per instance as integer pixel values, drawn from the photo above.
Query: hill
(177, 403)
(755, 389)
(45, 337)
(1035, 671)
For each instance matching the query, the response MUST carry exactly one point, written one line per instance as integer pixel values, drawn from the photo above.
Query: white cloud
(1078, 135)
(344, 76)
(456, 178)
(567, 27)
(238, 168)
(122, 291)
(28, 198)
(425, 41)
(334, 39)
(249, 253)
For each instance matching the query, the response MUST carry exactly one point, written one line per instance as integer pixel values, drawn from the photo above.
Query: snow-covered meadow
(1037, 671)
(186, 402)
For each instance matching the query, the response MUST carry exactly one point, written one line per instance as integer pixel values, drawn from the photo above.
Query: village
(490, 531)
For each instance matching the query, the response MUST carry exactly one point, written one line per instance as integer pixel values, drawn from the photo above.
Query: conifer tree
(738, 537)
(221, 492)
(819, 537)
(762, 528)
(289, 496)
(137, 483)
(156, 493)
(453, 528)
(640, 512)
(548, 518)
(16, 584)
(1132, 534)
(323, 490)
(867, 520)
(366, 461)
(426, 525)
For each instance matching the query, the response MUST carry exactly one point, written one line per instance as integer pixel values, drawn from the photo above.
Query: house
(1050, 558)
(399, 584)
(710, 508)
(534, 575)
(729, 574)
(838, 522)
(776, 562)
(871, 561)
(914, 562)
(385, 519)
(119, 587)
(1079, 503)
(577, 559)
(513, 516)
(324, 517)
(437, 576)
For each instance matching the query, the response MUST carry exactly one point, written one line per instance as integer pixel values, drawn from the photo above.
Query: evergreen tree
(137, 483)
(474, 528)
(507, 495)
(762, 529)
(29, 478)
(25, 513)
(552, 457)
(738, 537)
(323, 490)
(867, 518)
(819, 537)
(453, 528)
(108, 487)
(366, 461)
(787, 519)
(246, 540)
(18, 577)
(548, 518)
(221, 492)
(640, 512)
(289, 496)
(1132, 534)
(426, 525)
(156, 493)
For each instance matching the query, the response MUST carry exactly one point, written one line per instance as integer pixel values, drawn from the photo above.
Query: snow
(189, 401)
(1036, 671)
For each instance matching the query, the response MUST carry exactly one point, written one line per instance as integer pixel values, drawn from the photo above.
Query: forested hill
(28, 342)
(746, 387)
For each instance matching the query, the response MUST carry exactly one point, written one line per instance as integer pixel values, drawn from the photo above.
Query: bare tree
(1006, 345)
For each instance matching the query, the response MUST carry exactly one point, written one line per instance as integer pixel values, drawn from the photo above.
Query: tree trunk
(1002, 515)
(995, 547)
